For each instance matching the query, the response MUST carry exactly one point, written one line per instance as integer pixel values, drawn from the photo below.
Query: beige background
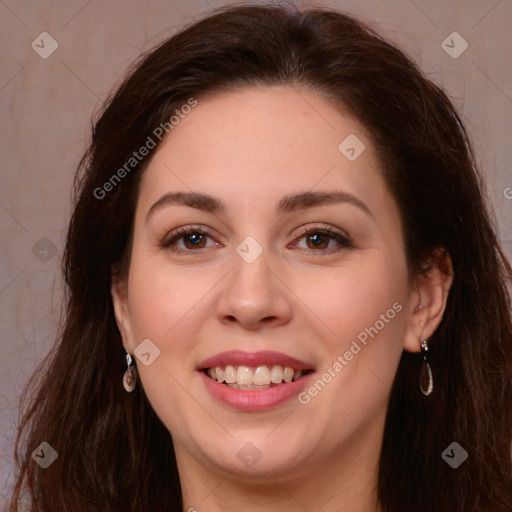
(46, 107)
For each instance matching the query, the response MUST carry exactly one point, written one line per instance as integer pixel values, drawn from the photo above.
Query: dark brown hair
(114, 452)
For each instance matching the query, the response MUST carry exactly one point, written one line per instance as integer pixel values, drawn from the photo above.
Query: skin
(250, 148)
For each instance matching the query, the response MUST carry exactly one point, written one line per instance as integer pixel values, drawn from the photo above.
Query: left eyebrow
(295, 202)
(288, 204)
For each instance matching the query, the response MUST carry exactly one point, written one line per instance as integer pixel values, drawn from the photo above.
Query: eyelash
(179, 233)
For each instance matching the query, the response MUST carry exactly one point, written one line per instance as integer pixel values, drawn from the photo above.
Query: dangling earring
(130, 375)
(426, 379)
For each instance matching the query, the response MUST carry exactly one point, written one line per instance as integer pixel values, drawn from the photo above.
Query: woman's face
(295, 262)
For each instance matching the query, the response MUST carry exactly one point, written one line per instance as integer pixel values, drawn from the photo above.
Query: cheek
(346, 300)
(167, 306)
(359, 310)
(164, 299)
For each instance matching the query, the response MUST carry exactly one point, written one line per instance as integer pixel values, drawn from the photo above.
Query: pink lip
(239, 358)
(255, 400)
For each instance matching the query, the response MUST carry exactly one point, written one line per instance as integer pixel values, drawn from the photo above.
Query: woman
(285, 290)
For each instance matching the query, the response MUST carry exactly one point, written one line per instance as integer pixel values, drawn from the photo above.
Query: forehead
(254, 145)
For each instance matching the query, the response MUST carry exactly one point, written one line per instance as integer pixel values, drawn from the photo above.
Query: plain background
(47, 104)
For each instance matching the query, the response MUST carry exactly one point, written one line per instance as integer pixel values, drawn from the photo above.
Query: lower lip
(254, 400)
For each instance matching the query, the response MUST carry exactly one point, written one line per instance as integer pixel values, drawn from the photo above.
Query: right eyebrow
(191, 199)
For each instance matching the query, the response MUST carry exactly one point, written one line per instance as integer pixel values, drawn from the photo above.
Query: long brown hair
(113, 451)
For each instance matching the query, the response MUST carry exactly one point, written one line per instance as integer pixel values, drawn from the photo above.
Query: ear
(119, 294)
(428, 300)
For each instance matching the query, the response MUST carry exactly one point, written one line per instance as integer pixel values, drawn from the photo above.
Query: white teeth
(219, 374)
(276, 374)
(261, 376)
(288, 374)
(246, 377)
(229, 374)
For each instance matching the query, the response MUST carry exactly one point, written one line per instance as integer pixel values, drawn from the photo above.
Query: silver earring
(130, 375)
(426, 379)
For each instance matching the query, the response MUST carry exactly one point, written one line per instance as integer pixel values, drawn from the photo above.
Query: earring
(130, 375)
(426, 379)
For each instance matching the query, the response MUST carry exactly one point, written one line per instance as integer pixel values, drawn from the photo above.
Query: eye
(318, 239)
(194, 240)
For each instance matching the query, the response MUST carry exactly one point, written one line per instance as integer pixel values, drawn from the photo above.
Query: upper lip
(241, 358)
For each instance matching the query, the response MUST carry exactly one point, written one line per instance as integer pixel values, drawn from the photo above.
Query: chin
(258, 456)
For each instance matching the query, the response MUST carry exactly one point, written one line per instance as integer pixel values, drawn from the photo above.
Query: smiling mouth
(252, 378)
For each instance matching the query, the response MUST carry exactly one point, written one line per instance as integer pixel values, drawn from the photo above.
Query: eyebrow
(289, 203)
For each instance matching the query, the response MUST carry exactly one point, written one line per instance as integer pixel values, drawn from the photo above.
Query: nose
(254, 294)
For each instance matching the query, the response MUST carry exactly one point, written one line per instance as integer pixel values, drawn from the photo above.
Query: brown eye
(319, 240)
(192, 239)
(195, 240)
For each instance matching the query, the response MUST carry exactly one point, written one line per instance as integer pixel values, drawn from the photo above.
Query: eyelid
(303, 230)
